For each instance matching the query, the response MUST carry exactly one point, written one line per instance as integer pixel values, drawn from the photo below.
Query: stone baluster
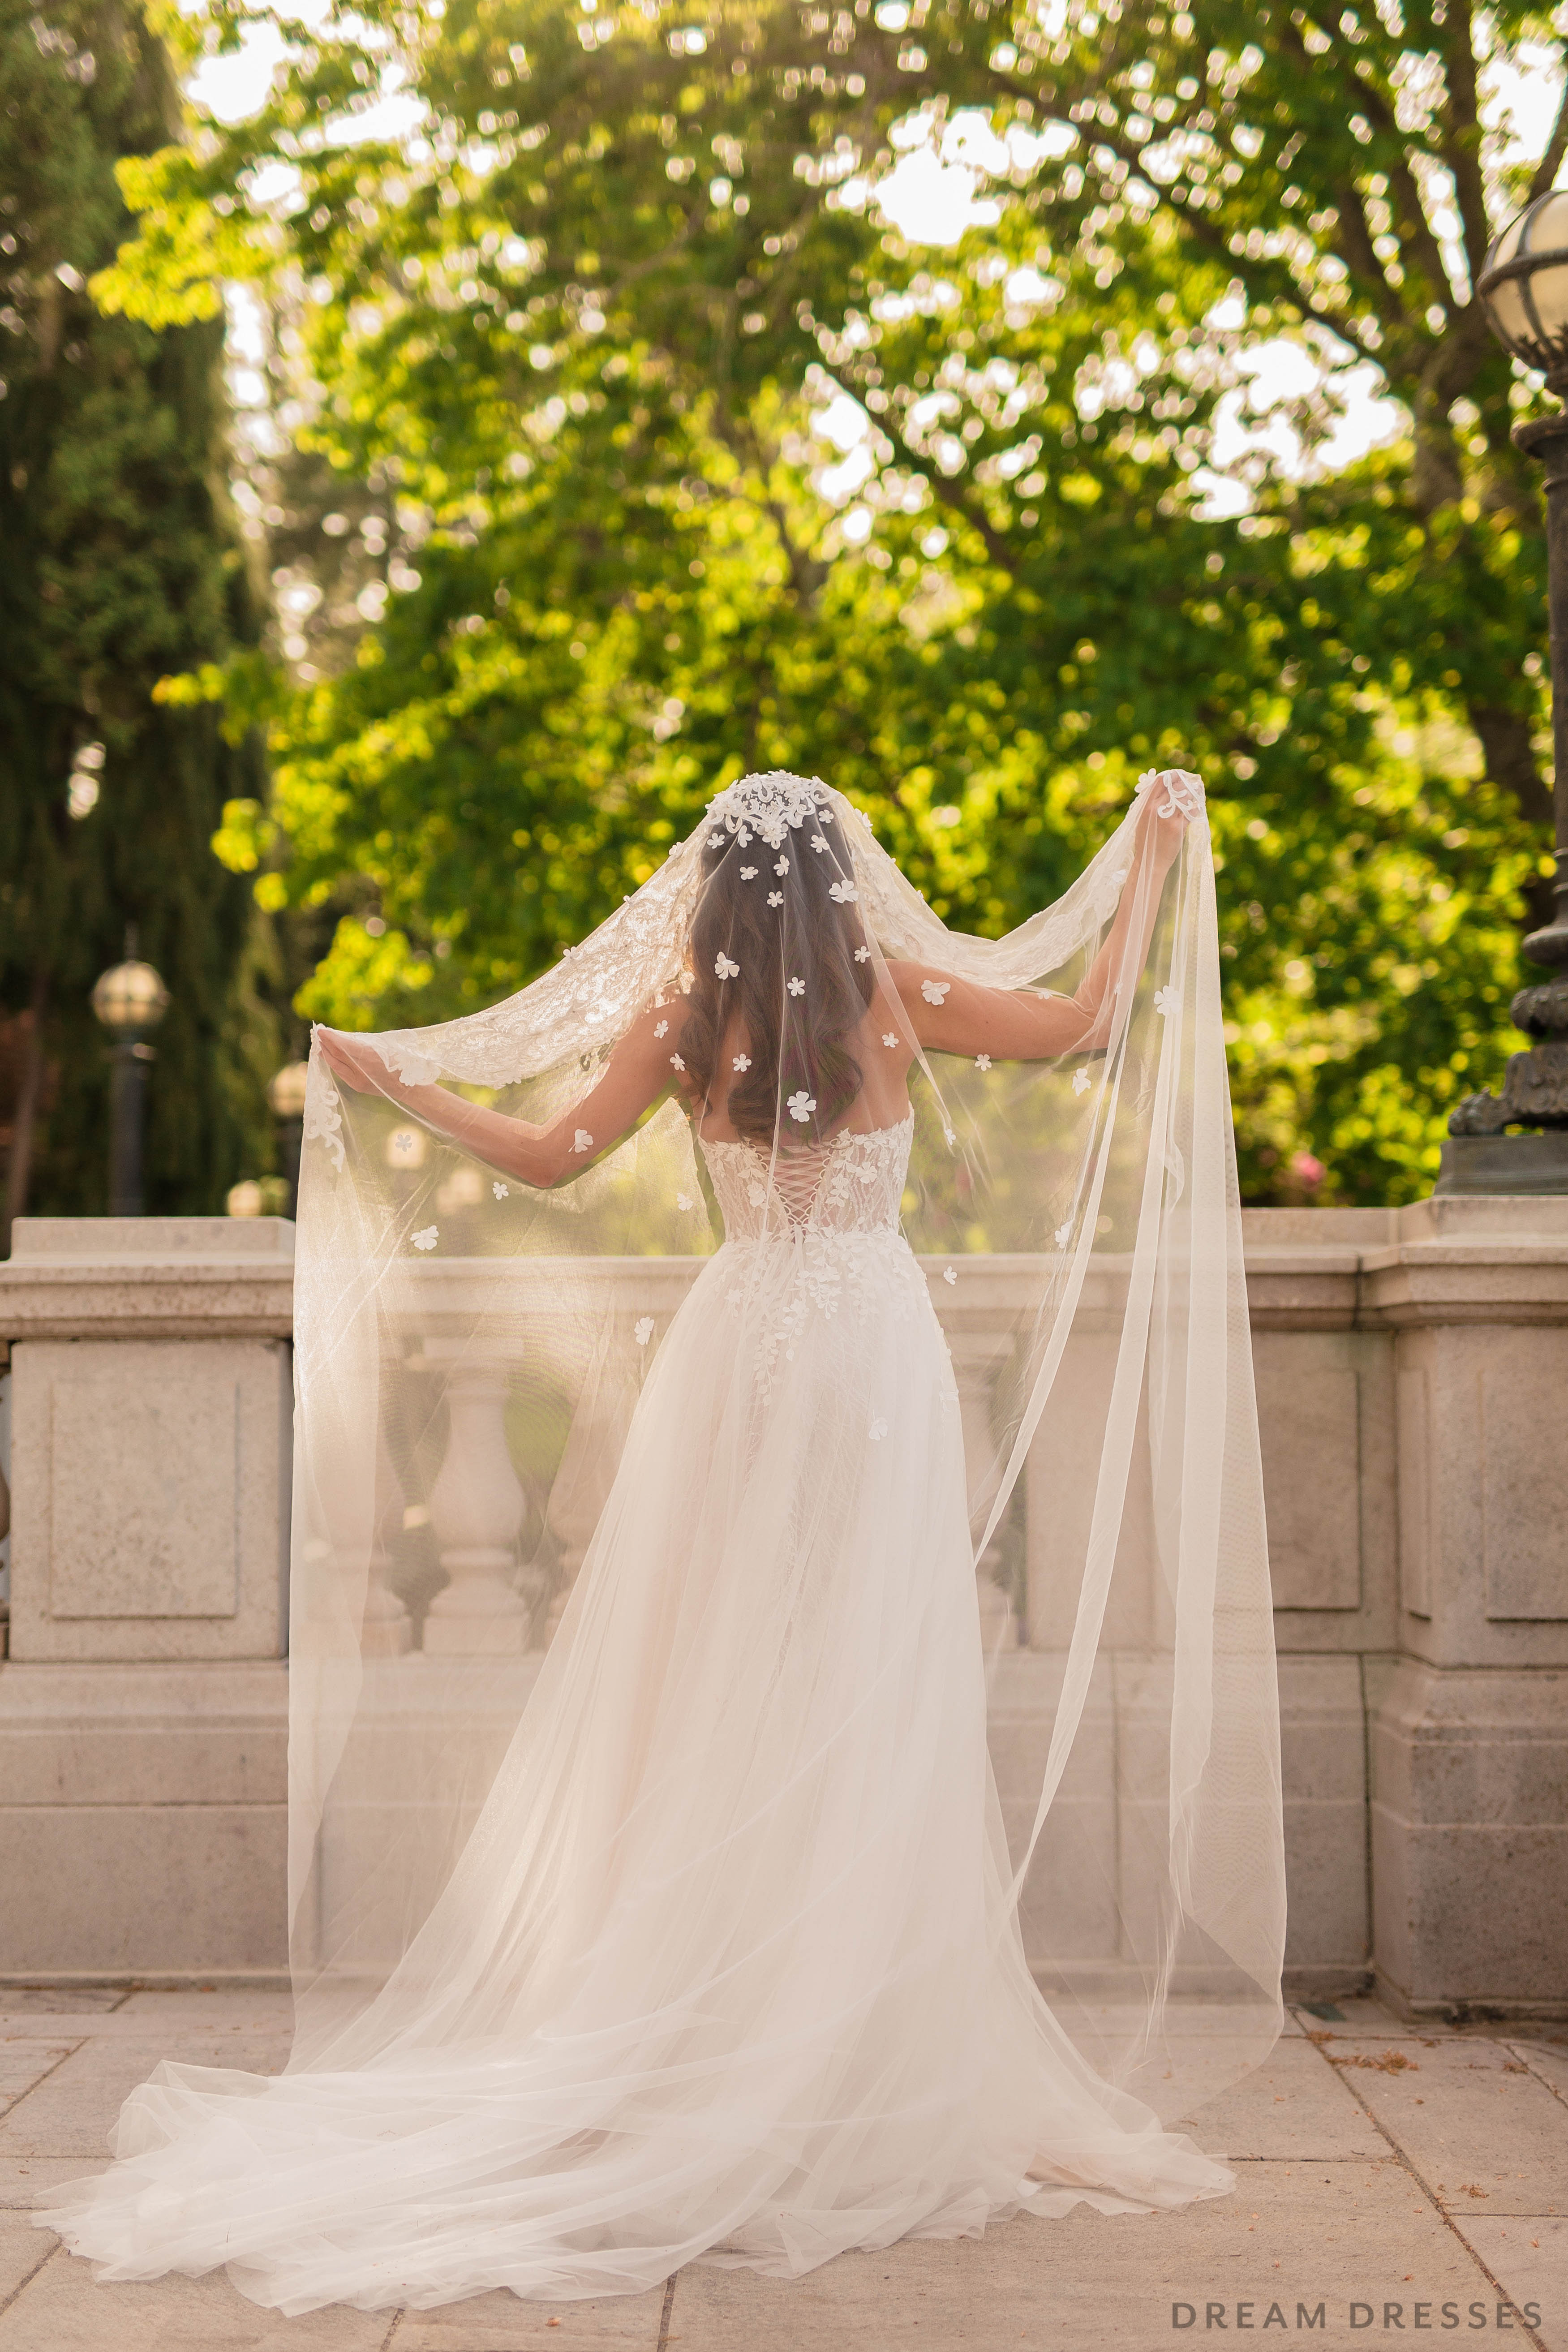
(601, 1416)
(387, 1631)
(477, 1508)
(977, 1359)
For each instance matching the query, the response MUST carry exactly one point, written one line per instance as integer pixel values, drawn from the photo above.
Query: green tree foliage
(583, 324)
(120, 567)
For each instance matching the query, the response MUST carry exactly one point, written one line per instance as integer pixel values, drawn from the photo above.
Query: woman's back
(852, 1183)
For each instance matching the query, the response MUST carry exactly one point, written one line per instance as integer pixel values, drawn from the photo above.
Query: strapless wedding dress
(729, 1965)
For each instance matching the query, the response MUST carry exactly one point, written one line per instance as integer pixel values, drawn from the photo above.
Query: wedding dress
(720, 1954)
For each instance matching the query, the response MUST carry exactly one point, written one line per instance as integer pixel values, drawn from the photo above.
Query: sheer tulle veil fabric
(668, 1538)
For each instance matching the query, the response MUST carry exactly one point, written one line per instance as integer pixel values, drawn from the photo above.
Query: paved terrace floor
(1385, 2171)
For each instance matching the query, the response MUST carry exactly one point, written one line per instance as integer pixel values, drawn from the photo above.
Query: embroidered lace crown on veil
(770, 802)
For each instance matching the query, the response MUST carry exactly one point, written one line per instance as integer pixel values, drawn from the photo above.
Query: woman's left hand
(1175, 794)
(355, 1061)
(1169, 799)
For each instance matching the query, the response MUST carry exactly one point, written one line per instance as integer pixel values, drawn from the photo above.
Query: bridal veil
(470, 1353)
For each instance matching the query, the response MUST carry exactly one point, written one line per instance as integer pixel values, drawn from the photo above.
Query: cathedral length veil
(544, 1532)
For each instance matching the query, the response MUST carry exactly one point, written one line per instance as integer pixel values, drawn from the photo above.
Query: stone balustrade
(1407, 1366)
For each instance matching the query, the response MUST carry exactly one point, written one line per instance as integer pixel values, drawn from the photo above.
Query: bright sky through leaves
(930, 198)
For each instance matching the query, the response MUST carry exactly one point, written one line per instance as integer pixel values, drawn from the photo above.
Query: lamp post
(286, 1097)
(129, 1001)
(1523, 290)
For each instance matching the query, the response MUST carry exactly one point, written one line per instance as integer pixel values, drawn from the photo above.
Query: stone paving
(1408, 2180)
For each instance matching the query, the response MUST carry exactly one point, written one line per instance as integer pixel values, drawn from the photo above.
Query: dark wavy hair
(795, 1043)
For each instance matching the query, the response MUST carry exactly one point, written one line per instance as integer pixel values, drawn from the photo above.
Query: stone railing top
(147, 1278)
(1460, 1222)
(1457, 1220)
(1341, 1229)
(1460, 1259)
(1486, 1259)
(112, 1239)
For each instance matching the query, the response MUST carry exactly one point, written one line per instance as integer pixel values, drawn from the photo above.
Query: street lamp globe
(1523, 288)
(285, 1090)
(129, 1000)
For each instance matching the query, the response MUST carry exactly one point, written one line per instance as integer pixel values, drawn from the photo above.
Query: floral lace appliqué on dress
(815, 1226)
(850, 1184)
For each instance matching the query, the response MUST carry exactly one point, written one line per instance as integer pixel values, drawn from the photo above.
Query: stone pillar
(1470, 1717)
(144, 1710)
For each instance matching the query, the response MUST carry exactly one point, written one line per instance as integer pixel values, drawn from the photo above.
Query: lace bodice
(850, 1184)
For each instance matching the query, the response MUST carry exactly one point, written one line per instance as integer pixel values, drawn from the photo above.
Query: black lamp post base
(127, 1119)
(1534, 1092)
(1504, 1163)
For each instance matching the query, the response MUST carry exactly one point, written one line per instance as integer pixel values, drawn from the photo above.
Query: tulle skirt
(728, 1967)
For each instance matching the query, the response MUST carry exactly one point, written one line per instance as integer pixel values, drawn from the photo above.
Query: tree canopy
(662, 453)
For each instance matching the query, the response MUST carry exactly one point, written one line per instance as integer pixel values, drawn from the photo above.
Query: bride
(661, 1900)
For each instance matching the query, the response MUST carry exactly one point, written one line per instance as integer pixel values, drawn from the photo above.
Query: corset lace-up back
(850, 1184)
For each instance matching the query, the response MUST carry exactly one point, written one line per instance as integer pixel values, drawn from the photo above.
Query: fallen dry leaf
(1468, 2188)
(1393, 2062)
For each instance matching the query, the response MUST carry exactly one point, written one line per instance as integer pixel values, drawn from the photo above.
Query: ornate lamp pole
(286, 1097)
(1523, 290)
(129, 1001)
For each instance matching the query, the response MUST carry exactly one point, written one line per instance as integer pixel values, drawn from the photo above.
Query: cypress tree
(119, 566)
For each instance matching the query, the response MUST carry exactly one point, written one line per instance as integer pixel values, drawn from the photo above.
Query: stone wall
(1408, 1367)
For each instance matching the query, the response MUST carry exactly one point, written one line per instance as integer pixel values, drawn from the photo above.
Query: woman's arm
(636, 1073)
(961, 1017)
